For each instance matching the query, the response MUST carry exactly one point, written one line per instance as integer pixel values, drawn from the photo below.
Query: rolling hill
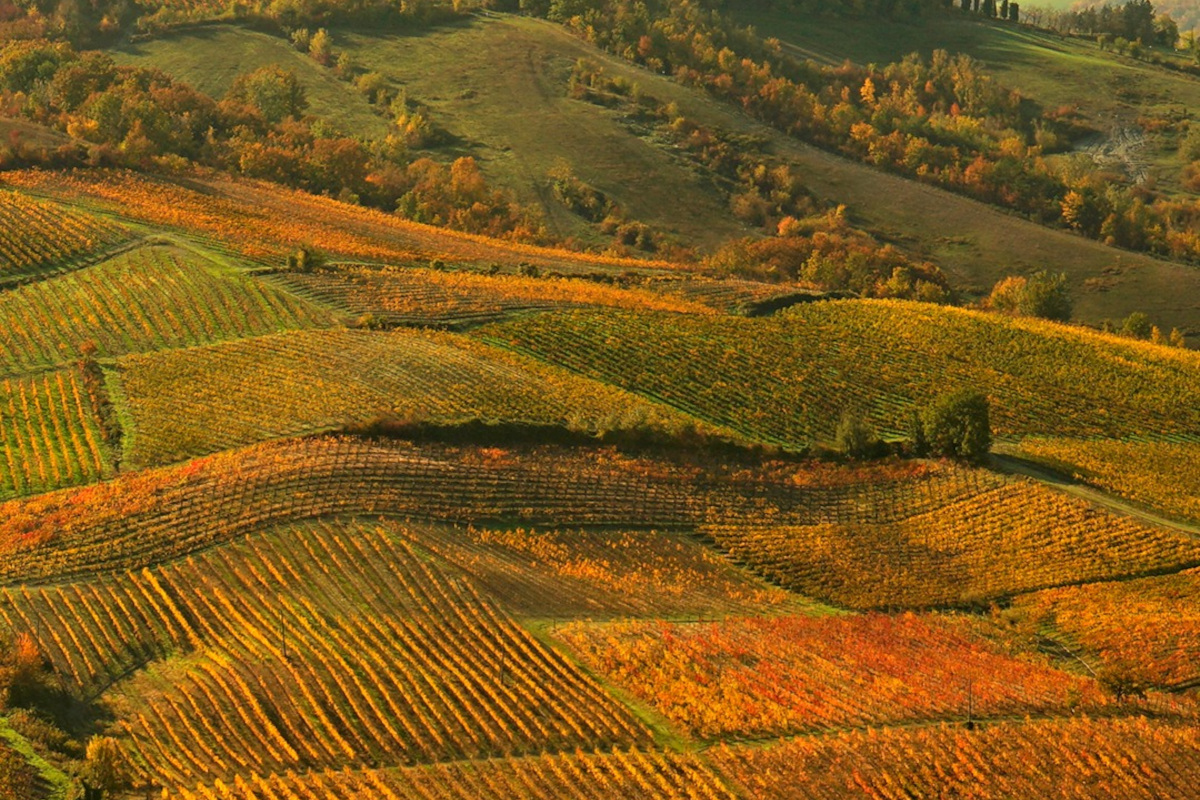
(300, 499)
(975, 244)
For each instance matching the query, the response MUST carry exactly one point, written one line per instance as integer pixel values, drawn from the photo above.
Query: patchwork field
(1143, 630)
(51, 434)
(37, 237)
(1160, 475)
(755, 677)
(265, 222)
(431, 516)
(1090, 758)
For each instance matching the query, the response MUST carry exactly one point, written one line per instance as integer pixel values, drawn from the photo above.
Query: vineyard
(1157, 474)
(962, 549)
(266, 222)
(1134, 759)
(756, 676)
(789, 378)
(152, 516)
(336, 645)
(1146, 630)
(193, 402)
(148, 299)
(38, 237)
(622, 773)
(429, 516)
(413, 296)
(556, 573)
(50, 434)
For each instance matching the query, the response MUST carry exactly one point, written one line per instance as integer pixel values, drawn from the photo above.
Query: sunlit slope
(1110, 93)
(188, 56)
(187, 403)
(150, 298)
(788, 379)
(388, 659)
(503, 99)
(1090, 758)
(266, 222)
(1160, 475)
(50, 433)
(39, 237)
(428, 297)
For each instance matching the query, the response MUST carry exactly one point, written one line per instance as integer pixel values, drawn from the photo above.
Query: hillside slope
(789, 378)
(505, 101)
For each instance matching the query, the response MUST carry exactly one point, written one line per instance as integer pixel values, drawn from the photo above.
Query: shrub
(957, 426)
(855, 437)
(1136, 325)
(1040, 295)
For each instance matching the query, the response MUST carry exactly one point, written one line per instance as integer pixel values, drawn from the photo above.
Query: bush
(855, 437)
(957, 426)
(1136, 325)
(106, 766)
(1040, 295)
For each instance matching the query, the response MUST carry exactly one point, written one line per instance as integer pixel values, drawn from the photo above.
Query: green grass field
(189, 56)
(503, 95)
(503, 100)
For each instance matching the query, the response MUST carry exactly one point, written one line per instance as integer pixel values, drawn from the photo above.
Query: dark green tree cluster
(1133, 21)
(954, 426)
(1042, 294)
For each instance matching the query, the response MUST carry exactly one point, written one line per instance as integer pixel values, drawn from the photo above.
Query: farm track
(1063, 483)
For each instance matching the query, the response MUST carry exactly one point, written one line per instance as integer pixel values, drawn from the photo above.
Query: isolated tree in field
(272, 91)
(1040, 295)
(958, 426)
(855, 437)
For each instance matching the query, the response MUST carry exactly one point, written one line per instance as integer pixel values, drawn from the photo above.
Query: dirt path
(1020, 466)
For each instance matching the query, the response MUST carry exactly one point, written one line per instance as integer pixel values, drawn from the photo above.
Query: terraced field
(631, 773)
(1090, 758)
(1160, 475)
(755, 677)
(265, 222)
(50, 434)
(588, 573)
(965, 546)
(417, 296)
(152, 516)
(1146, 631)
(338, 646)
